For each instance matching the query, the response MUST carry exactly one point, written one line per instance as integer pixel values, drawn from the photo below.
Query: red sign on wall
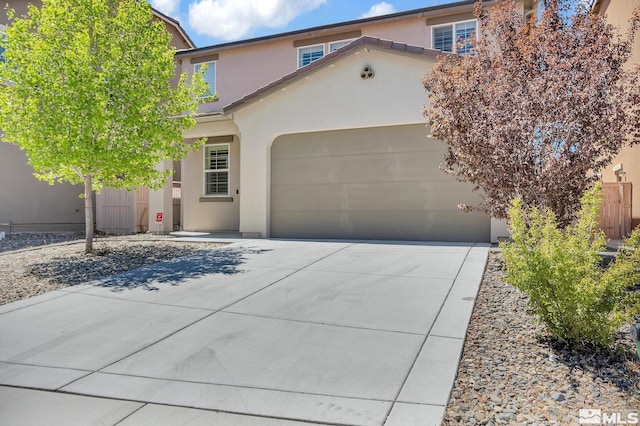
(158, 217)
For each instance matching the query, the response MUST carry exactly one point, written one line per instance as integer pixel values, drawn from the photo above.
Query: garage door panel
(355, 142)
(402, 196)
(417, 225)
(324, 197)
(393, 196)
(382, 183)
(366, 168)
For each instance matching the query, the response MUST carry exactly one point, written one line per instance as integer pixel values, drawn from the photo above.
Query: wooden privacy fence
(177, 199)
(142, 209)
(615, 212)
(114, 211)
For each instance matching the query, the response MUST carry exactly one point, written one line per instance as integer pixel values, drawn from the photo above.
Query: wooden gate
(615, 212)
(142, 209)
(177, 199)
(114, 211)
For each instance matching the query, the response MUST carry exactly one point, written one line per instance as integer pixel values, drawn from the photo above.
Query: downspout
(635, 336)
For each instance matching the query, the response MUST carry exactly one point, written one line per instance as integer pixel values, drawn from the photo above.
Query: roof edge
(176, 24)
(380, 18)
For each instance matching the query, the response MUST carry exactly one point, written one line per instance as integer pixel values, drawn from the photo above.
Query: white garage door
(374, 183)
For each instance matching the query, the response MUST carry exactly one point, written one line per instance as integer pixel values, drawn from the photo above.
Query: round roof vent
(367, 73)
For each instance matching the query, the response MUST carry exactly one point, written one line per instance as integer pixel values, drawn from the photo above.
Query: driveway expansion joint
(323, 323)
(225, 385)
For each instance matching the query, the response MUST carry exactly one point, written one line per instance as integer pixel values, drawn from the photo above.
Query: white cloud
(382, 8)
(168, 7)
(234, 19)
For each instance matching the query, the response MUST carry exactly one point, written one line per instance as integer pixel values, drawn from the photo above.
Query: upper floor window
(3, 35)
(209, 76)
(306, 55)
(338, 44)
(447, 37)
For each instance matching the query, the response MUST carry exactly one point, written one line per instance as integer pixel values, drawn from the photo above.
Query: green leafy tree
(88, 96)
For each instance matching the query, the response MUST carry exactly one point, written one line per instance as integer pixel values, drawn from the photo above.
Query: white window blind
(216, 170)
(443, 38)
(446, 37)
(306, 55)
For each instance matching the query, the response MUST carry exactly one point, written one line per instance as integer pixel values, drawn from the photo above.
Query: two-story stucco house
(623, 201)
(32, 205)
(319, 134)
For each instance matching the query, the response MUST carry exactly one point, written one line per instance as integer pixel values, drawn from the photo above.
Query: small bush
(581, 302)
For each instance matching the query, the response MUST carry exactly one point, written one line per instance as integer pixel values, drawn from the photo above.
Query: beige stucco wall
(197, 213)
(34, 205)
(334, 97)
(617, 13)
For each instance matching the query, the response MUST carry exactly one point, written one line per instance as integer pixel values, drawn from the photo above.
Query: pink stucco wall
(242, 69)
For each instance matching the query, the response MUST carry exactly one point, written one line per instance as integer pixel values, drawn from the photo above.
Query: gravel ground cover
(22, 240)
(35, 263)
(512, 372)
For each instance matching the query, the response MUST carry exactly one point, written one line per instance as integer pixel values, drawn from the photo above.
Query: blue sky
(211, 22)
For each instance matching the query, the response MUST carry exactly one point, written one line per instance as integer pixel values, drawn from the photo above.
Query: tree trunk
(88, 215)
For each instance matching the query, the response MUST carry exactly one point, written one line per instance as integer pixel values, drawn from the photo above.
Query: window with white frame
(447, 37)
(209, 77)
(3, 35)
(216, 170)
(308, 54)
(338, 44)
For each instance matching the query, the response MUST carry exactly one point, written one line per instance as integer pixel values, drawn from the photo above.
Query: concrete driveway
(259, 332)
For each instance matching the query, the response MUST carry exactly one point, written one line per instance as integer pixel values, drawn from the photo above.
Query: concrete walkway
(259, 332)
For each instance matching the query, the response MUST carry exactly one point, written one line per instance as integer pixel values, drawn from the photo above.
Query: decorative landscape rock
(25, 240)
(512, 372)
(32, 264)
